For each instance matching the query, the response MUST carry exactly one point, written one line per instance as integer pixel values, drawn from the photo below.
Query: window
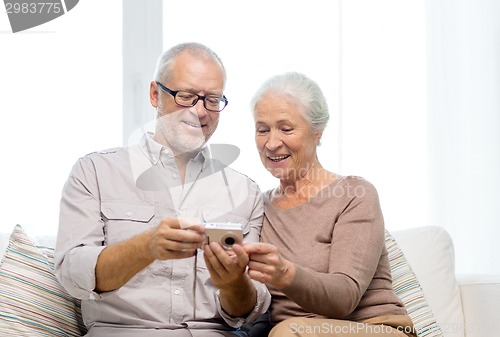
(426, 142)
(60, 98)
(369, 59)
(255, 40)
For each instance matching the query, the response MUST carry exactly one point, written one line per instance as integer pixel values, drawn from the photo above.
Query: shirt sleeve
(80, 235)
(261, 306)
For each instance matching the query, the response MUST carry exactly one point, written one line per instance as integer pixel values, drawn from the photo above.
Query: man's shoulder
(109, 155)
(112, 151)
(233, 174)
(229, 170)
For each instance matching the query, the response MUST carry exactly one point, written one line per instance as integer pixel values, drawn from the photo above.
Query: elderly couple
(132, 241)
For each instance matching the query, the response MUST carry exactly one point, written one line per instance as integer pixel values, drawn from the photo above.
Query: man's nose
(199, 109)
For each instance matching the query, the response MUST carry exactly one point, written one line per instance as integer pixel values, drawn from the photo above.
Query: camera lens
(229, 241)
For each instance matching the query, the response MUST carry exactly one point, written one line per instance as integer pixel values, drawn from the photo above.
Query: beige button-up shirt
(113, 195)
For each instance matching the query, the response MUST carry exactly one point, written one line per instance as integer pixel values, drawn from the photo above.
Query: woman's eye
(262, 130)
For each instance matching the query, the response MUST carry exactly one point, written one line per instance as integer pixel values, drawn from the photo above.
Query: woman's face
(284, 138)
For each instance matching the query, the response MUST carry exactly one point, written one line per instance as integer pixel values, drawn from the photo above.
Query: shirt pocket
(125, 219)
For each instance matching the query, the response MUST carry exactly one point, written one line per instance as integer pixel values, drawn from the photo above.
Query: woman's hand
(266, 265)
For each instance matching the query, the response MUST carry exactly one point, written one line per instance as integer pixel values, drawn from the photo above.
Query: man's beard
(179, 141)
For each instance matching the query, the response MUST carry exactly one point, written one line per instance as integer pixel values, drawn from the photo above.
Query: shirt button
(174, 176)
(177, 292)
(129, 213)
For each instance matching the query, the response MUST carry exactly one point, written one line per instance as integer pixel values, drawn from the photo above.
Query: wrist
(287, 275)
(239, 298)
(143, 249)
(237, 285)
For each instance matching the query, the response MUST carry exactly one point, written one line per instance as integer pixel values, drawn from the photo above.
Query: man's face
(186, 129)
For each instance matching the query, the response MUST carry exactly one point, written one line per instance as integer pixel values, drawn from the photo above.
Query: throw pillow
(32, 302)
(407, 287)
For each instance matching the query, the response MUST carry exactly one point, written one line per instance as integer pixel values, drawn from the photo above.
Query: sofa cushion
(429, 251)
(32, 302)
(407, 287)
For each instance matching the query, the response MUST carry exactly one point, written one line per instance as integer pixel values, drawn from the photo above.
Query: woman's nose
(274, 141)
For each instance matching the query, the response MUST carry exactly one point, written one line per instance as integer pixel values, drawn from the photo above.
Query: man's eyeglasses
(212, 103)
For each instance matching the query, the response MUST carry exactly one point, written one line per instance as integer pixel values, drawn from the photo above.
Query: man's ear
(153, 94)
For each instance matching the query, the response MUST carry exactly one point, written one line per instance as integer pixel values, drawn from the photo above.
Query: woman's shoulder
(353, 180)
(267, 195)
(352, 186)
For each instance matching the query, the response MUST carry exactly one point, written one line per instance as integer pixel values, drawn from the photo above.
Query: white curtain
(413, 88)
(464, 128)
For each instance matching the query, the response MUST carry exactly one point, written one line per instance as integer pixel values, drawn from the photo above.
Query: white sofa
(464, 306)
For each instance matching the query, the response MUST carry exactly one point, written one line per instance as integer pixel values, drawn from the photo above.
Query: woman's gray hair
(163, 71)
(301, 89)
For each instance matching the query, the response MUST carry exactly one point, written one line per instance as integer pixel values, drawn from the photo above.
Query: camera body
(225, 233)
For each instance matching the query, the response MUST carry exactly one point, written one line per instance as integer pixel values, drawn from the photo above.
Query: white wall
(264, 38)
(60, 98)
(384, 104)
(412, 87)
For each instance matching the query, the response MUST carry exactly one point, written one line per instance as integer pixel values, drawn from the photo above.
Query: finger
(213, 264)
(258, 276)
(262, 267)
(197, 228)
(267, 258)
(241, 255)
(172, 245)
(170, 223)
(259, 257)
(206, 253)
(259, 248)
(221, 254)
(181, 235)
(228, 259)
(182, 223)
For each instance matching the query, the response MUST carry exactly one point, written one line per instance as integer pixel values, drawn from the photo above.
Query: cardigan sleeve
(356, 246)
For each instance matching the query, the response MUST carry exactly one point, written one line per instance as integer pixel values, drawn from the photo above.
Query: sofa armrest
(480, 303)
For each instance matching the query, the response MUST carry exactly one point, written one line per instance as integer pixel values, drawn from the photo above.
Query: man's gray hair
(302, 90)
(163, 71)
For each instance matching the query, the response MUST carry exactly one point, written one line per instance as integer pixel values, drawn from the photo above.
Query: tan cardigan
(336, 240)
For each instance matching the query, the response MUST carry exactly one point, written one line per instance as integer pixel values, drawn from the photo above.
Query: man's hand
(176, 238)
(238, 295)
(173, 238)
(226, 267)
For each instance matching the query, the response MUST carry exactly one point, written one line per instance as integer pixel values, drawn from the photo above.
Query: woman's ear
(317, 137)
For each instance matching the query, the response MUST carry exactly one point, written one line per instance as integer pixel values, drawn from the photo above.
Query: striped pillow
(407, 287)
(32, 302)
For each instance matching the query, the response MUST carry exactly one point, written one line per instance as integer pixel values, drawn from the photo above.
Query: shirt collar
(153, 151)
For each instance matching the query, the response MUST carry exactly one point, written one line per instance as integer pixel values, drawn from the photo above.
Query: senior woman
(322, 252)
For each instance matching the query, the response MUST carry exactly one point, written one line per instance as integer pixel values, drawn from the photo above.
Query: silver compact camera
(225, 233)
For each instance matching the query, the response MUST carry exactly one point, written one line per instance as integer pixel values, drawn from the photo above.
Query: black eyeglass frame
(174, 93)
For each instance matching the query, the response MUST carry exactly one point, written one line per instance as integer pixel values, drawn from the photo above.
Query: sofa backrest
(428, 250)
(430, 253)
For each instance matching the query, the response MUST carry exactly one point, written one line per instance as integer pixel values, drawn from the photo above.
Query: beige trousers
(393, 326)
